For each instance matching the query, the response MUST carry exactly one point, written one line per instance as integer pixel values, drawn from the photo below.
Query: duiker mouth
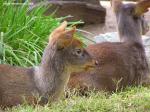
(91, 66)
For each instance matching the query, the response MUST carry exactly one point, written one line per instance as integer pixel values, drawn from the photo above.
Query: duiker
(120, 64)
(64, 54)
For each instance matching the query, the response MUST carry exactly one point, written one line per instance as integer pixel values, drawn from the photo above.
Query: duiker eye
(78, 52)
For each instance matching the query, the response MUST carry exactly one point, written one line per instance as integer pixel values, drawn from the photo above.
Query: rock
(89, 11)
(95, 2)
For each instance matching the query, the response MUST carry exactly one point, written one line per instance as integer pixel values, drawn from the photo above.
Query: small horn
(142, 7)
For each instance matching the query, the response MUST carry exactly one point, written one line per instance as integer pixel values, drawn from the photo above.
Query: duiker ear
(55, 34)
(70, 33)
(62, 27)
(116, 5)
(66, 39)
(142, 7)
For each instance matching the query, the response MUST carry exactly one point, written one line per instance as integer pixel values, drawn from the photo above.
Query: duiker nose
(96, 63)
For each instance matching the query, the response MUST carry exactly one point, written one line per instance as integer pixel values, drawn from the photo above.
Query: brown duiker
(119, 64)
(45, 83)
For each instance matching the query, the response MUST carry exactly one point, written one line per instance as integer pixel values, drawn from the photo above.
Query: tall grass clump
(23, 35)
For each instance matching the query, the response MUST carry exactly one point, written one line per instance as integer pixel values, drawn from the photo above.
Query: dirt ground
(110, 24)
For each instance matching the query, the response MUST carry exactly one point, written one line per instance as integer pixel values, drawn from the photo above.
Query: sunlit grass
(23, 35)
(131, 100)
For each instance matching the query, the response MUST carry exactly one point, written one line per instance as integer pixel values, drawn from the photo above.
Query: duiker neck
(52, 75)
(129, 31)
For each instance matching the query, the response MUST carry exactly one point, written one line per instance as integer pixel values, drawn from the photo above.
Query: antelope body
(45, 83)
(120, 64)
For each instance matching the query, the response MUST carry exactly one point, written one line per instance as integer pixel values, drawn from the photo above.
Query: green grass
(130, 100)
(23, 35)
(22, 40)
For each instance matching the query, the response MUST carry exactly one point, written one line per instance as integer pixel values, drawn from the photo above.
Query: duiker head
(131, 15)
(69, 49)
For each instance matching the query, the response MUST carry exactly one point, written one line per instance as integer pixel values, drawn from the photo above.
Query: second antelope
(120, 64)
